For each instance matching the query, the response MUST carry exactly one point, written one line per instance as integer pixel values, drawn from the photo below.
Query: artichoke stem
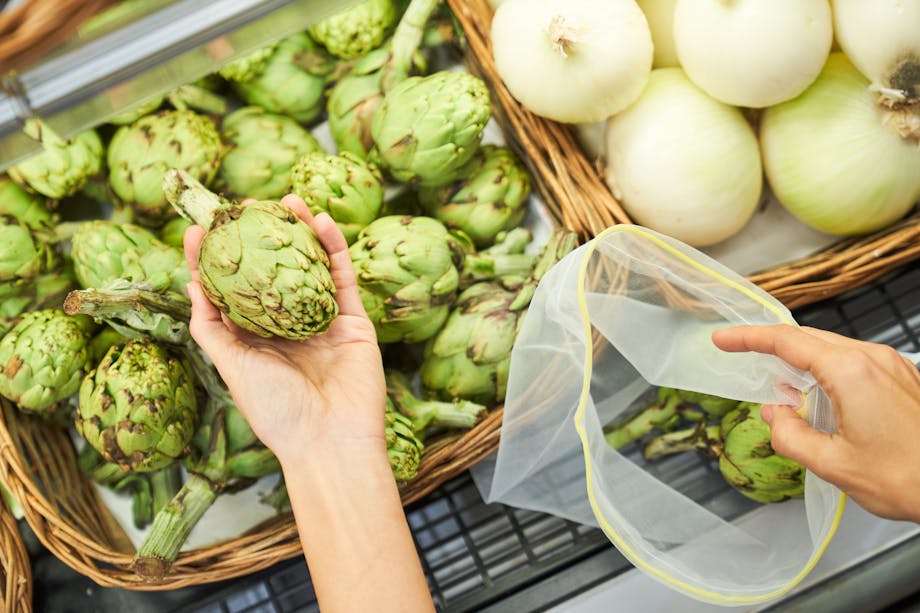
(190, 198)
(278, 498)
(165, 484)
(431, 413)
(406, 40)
(702, 437)
(118, 299)
(513, 241)
(171, 528)
(635, 428)
(142, 510)
(485, 267)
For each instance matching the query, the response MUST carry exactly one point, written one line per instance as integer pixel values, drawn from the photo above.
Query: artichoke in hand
(488, 197)
(343, 185)
(260, 264)
(261, 149)
(44, 358)
(138, 408)
(408, 271)
(428, 128)
(356, 30)
(64, 167)
(141, 153)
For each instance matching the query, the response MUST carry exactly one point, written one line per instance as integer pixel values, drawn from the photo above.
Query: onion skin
(833, 159)
(684, 164)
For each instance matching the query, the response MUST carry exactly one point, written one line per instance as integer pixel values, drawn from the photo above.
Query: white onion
(882, 38)
(683, 163)
(575, 61)
(753, 53)
(835, 160)
(660, 16)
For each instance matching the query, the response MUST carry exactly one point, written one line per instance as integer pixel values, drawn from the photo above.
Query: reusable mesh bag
(631, 310)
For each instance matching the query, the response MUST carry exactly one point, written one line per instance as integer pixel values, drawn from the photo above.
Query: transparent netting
(624, 314)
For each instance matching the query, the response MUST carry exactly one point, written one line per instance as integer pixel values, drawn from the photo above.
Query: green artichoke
(659, 415)
(64, 166)
(21, 295)
(490, 196)
(140, 154)
(403, 447)
(424, 414)
(249, 66)
(355, 98)
(343, 185)
(138, 407)
(24, 253)
(471, 355)
(281, 86)
(104, 252)
(408, 274)
(28, 208)
(259, 264)
(428, 128)
(749, 463)
(132, 115)
(44, 358)
(261, 149)
(173, 232)
(357, 30)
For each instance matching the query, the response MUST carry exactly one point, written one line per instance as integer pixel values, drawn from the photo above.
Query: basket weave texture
(15, 570)
(64, 510)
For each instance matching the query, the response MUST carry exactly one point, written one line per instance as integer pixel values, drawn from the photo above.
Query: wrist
(345, 459)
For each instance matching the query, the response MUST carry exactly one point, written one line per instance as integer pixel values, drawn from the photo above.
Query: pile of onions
(574, 61)
(836, 159)
(683, 163)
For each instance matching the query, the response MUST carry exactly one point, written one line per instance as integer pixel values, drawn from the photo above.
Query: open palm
(293, 393)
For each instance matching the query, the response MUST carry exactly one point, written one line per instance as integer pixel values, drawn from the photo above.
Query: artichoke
(343, 185)
(471, 355)
(281, 86)
(21, 295)
(104, 252)
(130, 116)
(140, 154)
(249, 66)
(64, 166)
(261, 149)
(27, 208)
(44, 358)
(489, 196)
(25, 254)
(259, 264)
(424, 414)
(357, 30)
(749, 463)
(355, 98)
(408, 274)
(403, 447)
(173, 232)
(428, 128)
(138, 407)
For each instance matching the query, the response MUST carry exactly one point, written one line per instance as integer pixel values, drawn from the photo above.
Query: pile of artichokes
(93, 310)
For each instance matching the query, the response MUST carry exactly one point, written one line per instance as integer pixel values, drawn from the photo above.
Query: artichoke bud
(44, 357)
(428, 128)
(140, 155)
(24, 254)
(404, 449)
(356, 30)
(749, 463)
(247, 67)
(138, 408)
(352, 103)
(344, 186)
(64, 166)
(27, 208)
(260, 264)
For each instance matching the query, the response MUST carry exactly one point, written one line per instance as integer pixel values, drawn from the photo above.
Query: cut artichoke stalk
(426, 414)
(741, 444)
(355, 98)
(261, 265)
(470, 356)
(226, 456)
(64, 166)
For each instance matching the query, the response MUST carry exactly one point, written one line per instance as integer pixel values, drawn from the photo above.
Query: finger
(248, 201)
(296, 204)
(886, 356)
(795, 438)
(788, 343)
(340, 265)
(208, 329)
(191, 243)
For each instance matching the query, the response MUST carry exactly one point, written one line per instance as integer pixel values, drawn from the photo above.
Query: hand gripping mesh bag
(627, 312)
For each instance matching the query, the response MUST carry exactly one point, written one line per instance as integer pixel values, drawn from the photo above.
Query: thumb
(795, 438)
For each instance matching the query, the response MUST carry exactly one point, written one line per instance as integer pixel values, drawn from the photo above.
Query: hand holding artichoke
(259, 264)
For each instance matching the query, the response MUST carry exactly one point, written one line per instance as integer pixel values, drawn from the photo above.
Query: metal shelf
(93, 79)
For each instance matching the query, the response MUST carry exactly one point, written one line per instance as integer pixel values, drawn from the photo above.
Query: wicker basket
(64, 510)
(15, 571)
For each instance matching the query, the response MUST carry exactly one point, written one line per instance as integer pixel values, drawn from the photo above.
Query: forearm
(353, 530)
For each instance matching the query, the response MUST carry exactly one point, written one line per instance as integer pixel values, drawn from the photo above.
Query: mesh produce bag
(628, 311)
